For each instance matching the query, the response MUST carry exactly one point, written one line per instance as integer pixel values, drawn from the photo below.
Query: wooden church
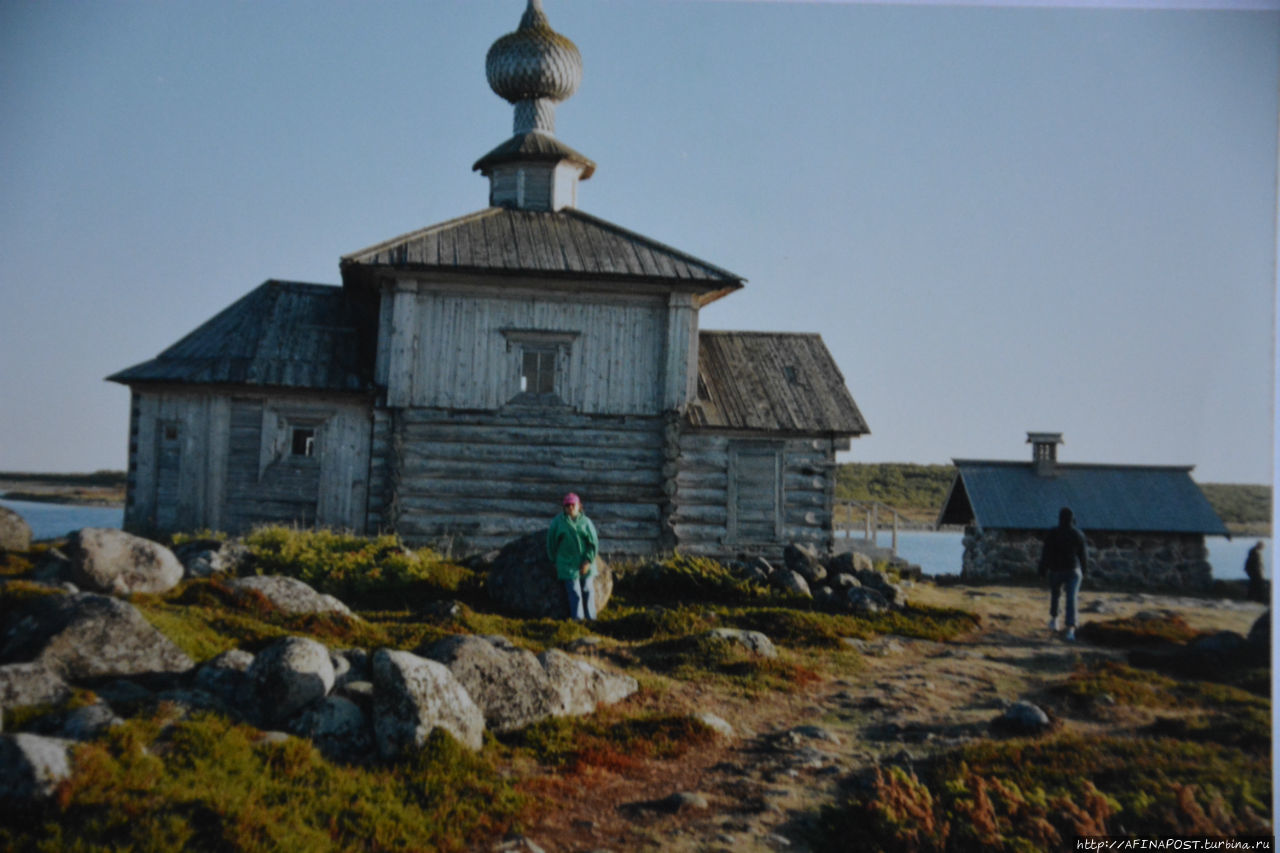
(464, 376)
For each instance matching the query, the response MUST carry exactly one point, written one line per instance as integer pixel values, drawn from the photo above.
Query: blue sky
(999, 219)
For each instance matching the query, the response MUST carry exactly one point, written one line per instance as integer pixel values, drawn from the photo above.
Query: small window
(304, 441)
(538, 371)
(170, 433)
(790, 372)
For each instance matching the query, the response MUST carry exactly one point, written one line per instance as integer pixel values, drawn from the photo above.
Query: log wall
(467, 482)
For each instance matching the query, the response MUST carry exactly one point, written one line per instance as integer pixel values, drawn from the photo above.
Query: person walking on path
(572, 545)
(1065, 559)
(1253, 570)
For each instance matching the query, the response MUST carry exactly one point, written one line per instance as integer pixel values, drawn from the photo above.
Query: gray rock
(792, 582)
(90, 636)
(25, 684)
(1259, 640)
(752, 641)
(189, 700)
(517, 844)
(579, 687)
(684, 801)
(224, 675)
(15, 533)
(864, 600)
(285, 677)
(510, 686)
(522, 579)
(118, 563)
(202, 558)
(84, 723)
(53, 568)
(1223, 645)
(31, 766)
(360, 692)
(289, 595)
(338, 727)
(719, 724)
(846, 581)
(1022, 717)
(413, 696)
(803, 560)
(850, 563)
(349, 665)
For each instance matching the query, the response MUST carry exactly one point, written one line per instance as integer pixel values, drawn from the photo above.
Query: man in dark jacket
(1065, 559)
(1253, 571)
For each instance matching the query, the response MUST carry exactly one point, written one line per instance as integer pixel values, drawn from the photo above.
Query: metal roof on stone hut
(773, 382)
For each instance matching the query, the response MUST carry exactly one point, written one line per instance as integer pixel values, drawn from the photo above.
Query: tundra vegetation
(1190, 753)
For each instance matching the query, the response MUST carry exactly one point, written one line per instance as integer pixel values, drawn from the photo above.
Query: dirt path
(756, 790)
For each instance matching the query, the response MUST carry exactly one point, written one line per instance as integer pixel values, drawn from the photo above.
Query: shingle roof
(772, 381)
(563, 243)
(1010, 495)
(285, 334)
(534, 146)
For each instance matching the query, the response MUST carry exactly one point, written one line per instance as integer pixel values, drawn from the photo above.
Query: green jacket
(570, 543)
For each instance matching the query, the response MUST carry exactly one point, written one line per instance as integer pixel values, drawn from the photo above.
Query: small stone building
(1145, 524)
(465, 375)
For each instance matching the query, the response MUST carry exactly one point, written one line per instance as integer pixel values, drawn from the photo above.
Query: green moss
(682, 578)
(205, 784)
(609, 740)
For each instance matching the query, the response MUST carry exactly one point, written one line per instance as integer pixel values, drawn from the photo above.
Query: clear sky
(999, 219)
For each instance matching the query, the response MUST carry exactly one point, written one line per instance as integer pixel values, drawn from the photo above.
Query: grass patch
(1023, 796)
(703, 657)
(1133, 632)
(206, 784)
(365, 572)
(685, 578)
(607, 742)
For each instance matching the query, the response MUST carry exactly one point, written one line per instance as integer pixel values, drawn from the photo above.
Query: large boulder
(15, 533)
(507, 682)
(413, 696)
(89, 636)
(26, 684)
(753, 641)
(850, 563)
(790, 582)
(285, 677)
(289, 595)
(31, 766)
(119, 563)
(579, 686)
(224, 676)
(523, 580)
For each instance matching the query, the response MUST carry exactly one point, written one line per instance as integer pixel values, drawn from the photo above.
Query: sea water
(50, 521)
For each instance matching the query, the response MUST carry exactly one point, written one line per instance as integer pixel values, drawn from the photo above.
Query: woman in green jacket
(572, 545)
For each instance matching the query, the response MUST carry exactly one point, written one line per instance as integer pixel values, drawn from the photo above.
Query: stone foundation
(1164, 561)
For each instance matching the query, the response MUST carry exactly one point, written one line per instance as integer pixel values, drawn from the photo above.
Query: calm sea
(936, 553)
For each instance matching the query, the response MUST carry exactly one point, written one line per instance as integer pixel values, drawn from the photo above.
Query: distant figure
(1065, 559)
(1253, 570)
(572, 545)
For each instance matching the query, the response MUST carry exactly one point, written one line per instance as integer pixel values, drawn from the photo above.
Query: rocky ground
(759, 790)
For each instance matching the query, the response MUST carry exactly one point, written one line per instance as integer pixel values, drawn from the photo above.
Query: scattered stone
(508, 683)
(31, 766)
(752, 641)
(1224, 645)
(448, 609)
(25, 684)
(290, 595)
(413, 696)
(584, 645)
(846, 581)
(360, 692)
(349, 665)
(578, 686)
(790, 581)
(863, 600)
(338, 727)
(224, 675)
(522, 579)
(84, 723)
(285, 677)
(54, 568)
(118, 563)
(682, 801)
(15, 533)
(90, 636)
(719, 724)
(517, 844)
(203, 558)
(1022, 718)
(1259, 639)
(803, 560)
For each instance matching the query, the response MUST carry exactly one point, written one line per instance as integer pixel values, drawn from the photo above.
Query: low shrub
(1133, 632)
(683, 578)
(608, 741)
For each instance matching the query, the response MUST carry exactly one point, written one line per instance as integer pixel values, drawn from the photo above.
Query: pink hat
(571, 498)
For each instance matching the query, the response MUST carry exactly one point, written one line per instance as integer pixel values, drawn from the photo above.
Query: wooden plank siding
(474, 481)
(737, 494)
(458, 349)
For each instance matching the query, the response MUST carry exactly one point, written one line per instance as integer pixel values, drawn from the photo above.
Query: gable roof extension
(1010, 495)
(282, 334)
(772, 381)
(563, 243)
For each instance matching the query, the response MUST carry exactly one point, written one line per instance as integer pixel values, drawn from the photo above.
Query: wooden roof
(282, 333)
(534, 146)
(772, 381)
(998, 495)
(563, 243)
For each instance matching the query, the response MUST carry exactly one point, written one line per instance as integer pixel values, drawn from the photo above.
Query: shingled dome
(535, 61)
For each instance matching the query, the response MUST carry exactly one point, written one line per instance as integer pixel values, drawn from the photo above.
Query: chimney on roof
(1044, 451)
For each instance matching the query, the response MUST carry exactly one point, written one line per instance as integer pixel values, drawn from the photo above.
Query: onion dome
(534, 62)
